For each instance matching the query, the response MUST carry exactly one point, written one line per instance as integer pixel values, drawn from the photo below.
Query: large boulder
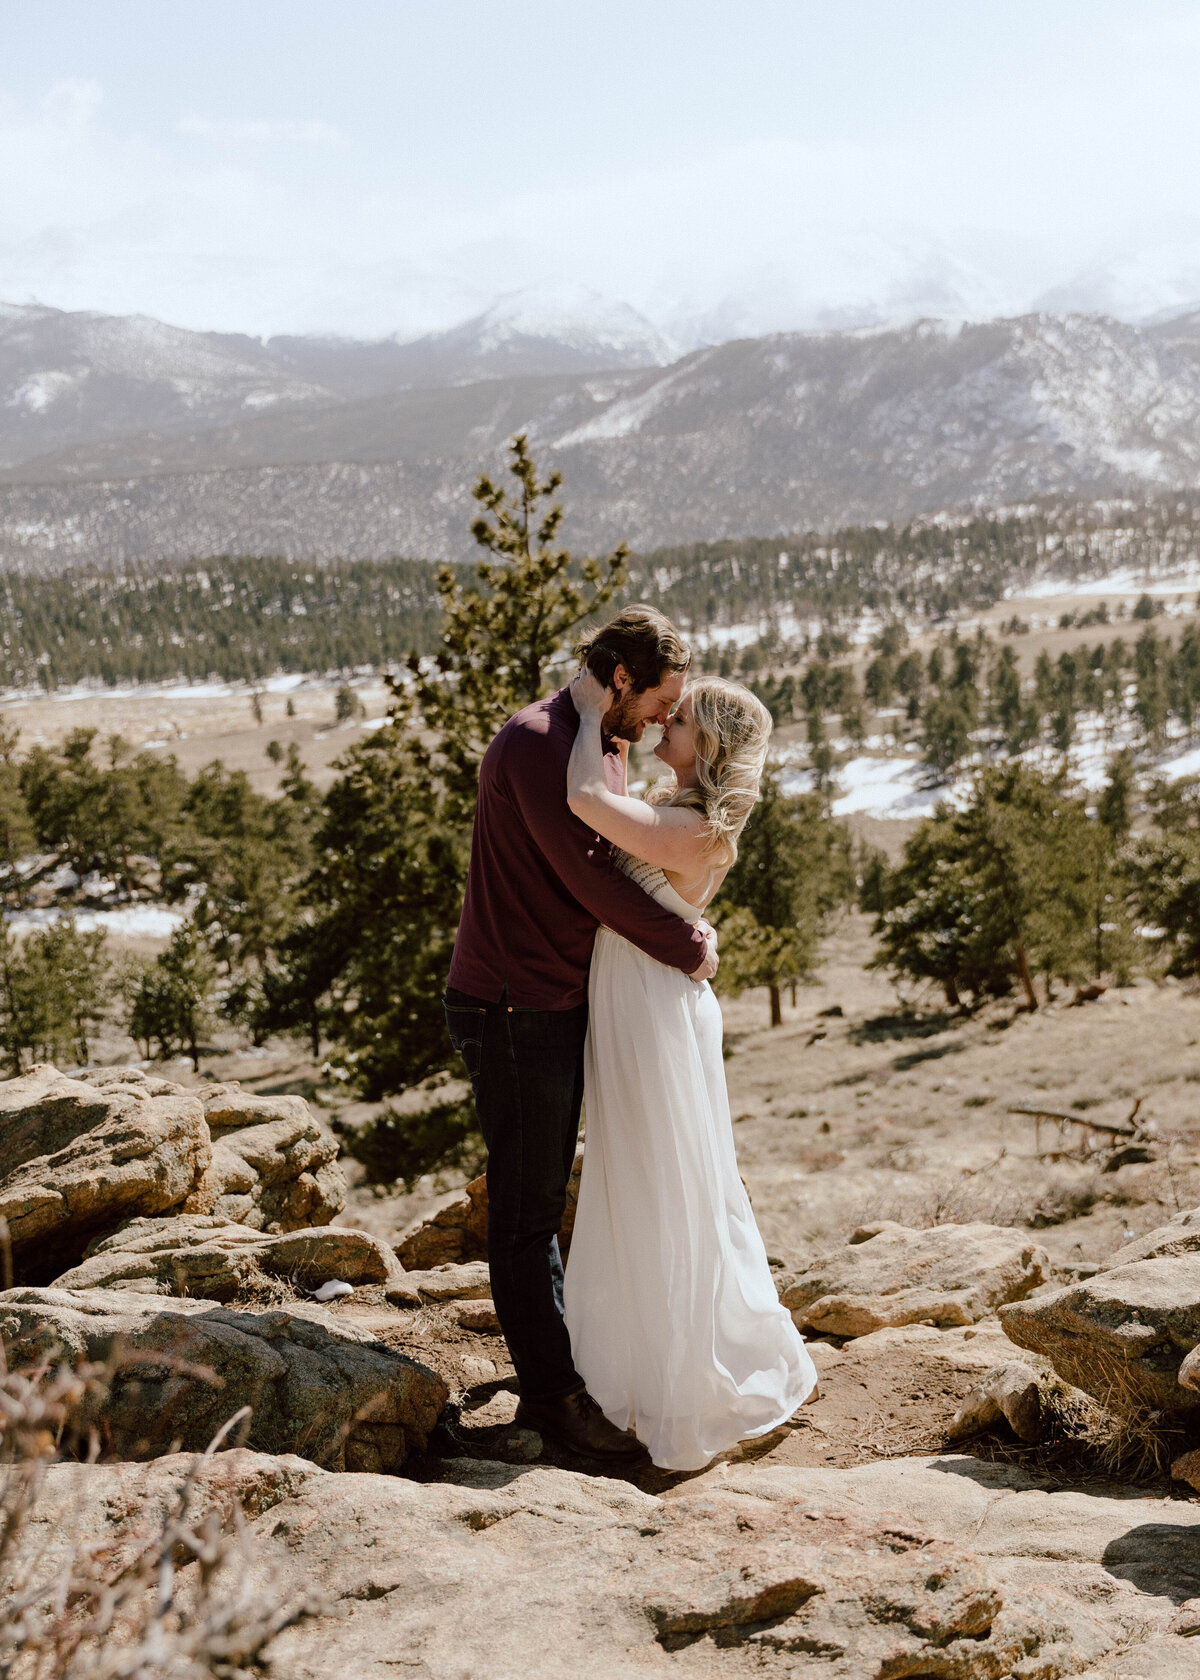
(205, 1256)
(1122, 1335)
(274, 1164)
(76, 1158)
(317, 1386)
(889, 1275)
(457, 1232)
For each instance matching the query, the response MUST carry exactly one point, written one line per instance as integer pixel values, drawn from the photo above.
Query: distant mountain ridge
(758, 436)
(77, 378)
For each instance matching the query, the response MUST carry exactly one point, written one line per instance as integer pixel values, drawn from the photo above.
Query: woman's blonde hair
(732, 730)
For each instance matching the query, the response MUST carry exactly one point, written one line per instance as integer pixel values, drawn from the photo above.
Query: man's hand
(711, 961)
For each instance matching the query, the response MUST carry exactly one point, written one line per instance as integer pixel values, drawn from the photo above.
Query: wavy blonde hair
(732, 730)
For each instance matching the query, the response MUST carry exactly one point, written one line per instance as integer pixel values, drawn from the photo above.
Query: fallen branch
(1130, 1129)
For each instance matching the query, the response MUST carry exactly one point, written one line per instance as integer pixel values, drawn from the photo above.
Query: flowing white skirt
(674, 1320)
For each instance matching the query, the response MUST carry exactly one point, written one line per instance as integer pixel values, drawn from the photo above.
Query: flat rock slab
(908, 1568)
(207, 1257)
(77, 1159)
(317, 1386)
(947, 1569)
(470, 1281)
(888, 1275)
(1121, 1336)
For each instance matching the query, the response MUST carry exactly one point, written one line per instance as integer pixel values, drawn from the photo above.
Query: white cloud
(818, 166)
(236, 131)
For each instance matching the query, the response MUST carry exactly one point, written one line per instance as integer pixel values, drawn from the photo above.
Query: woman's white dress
(674, 1320)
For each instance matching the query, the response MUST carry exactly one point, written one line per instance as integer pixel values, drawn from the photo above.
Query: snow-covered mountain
(757, 436)
(66, 377)
(80, 378)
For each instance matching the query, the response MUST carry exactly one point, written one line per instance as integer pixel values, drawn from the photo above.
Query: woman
(674, 1321)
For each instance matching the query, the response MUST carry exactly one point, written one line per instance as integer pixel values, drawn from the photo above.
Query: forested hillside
(242, 618)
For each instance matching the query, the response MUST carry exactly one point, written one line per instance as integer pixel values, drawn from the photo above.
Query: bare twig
(1129, 1129)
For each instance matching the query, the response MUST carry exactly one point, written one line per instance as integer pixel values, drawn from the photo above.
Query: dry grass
(1084, 1439)
(179, 1600)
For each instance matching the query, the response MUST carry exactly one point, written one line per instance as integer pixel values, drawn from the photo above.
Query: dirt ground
(200, 724)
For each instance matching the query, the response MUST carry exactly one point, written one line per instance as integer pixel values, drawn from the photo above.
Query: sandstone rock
(454, 1235)
(1189, 1372)
(457, 1232)
(889, 1275)
(1010, 1393)
(479, 1316)
(1122, 1335)
(228, 1108)
(828, 1575)
(76, 1158)
(207, 1257)
(318, 1386)
(715, 1581)
(468, 1282)
(273, 1174)
(121, 1504)
(1186, 1468)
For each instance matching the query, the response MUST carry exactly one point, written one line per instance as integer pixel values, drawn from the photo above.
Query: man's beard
(622, 720)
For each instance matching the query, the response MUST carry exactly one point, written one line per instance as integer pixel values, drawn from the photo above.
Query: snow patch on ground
(131, 921)
(1127, 580)
(878, 787)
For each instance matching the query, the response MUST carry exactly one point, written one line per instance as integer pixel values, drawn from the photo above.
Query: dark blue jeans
(526, 1067)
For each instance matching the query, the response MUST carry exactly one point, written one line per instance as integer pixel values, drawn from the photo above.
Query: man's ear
(621, 680)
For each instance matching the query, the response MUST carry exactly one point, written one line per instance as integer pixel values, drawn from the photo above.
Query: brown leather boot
(575, 1421)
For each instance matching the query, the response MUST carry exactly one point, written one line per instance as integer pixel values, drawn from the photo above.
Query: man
(516, 1003)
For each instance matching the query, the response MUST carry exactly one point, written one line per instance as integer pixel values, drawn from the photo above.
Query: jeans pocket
(466, 1034)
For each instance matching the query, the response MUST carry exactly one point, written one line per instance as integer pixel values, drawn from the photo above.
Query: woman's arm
(667, 835)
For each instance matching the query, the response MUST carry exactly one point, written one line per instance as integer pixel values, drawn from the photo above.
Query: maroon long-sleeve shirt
(540, 880)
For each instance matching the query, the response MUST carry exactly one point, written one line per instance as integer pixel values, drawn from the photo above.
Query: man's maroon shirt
(541, 880)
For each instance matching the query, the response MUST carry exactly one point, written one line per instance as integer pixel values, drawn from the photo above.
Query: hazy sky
(367, 166)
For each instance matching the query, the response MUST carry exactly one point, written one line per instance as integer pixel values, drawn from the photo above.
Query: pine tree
(172, 1000)
(793, 866)
(501, 634)
(1019, 883)
(363, 968)
(55, 987)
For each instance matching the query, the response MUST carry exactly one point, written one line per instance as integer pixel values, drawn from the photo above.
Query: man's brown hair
(640, 638)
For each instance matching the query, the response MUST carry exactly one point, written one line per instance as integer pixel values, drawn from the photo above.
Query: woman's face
(677, 749)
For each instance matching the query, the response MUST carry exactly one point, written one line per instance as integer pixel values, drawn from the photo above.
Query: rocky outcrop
(857, 1574)
(837, 1575)
(1122, 1336)
(889, 1275)
(209, 1258)
(274, 1164)
(179, 1370)
(457, 1232)
(78, 1156)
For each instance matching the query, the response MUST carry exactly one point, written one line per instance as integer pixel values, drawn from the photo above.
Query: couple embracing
(580, 976)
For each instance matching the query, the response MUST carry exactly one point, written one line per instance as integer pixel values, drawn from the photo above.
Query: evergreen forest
(243, 618)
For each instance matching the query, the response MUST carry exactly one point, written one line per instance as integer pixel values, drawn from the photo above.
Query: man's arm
(535, 771)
